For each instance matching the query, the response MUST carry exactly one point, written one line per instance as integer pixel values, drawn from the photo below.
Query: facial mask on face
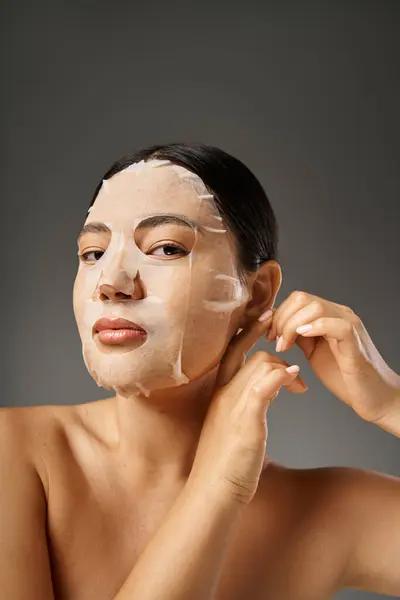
(182, 303)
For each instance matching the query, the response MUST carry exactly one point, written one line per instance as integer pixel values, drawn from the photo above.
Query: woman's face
(187, 297)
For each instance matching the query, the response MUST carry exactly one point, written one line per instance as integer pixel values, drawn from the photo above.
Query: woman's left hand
(340, 352)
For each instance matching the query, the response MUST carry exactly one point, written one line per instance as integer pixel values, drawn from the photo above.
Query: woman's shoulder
(312, 491)
(324, 495)
(34, 432)
(31, 422)
(323, 479)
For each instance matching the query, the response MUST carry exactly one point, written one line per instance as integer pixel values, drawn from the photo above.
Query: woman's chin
(140, 385)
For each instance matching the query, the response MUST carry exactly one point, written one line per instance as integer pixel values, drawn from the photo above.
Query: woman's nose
(109, 292)
(120, 279)
(123, 289)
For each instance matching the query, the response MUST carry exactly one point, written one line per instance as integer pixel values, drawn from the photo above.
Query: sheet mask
(187, 301)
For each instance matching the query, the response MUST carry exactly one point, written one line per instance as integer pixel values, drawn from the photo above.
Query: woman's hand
(232, 444)
(340, 352)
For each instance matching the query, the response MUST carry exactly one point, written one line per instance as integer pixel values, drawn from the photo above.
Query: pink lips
(116, 331)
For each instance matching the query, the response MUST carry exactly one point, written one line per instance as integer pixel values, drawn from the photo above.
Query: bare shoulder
(45, 433)
(343, 518)
(343, 487)
(329, 480)
(37, 424)
(32, 424)
(340, 499)
(364, 499)
(22, 424)
(32, 430)
(307, 495)
(329, 487)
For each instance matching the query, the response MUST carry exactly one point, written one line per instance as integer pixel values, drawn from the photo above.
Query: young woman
(164, 490)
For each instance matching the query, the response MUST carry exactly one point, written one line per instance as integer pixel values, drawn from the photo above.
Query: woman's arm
(184, 558)
(24, 556)
(391, 421)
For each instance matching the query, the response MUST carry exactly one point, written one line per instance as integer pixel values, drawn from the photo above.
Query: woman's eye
(85, 256)
(170, 250)
(164, 250)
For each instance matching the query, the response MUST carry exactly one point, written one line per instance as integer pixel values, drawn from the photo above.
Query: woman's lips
(117, 331)
(117, 336)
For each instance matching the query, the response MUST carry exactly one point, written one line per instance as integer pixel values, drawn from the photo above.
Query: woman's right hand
(232, 444)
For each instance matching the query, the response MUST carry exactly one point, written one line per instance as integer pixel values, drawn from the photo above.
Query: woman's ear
(264, 287)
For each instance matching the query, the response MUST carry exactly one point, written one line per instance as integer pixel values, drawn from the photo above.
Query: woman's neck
(163, 429)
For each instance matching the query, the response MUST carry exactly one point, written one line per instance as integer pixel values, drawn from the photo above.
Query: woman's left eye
(175, 250)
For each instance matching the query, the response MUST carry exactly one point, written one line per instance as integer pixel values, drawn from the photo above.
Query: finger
(251, 369)
(341, 330)
(271, 361)
(248, 337)
(290, 305)
(238, 348)
(313, 310)
(298, 386)
(267, 386)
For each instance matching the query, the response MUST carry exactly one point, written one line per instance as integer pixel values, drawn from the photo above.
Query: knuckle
(263, 369)
(321, 322)
(316, 305)
(259, 357)
(347, 309)
(278, 371)
(267, 367)
(299, 295)
(348, 327)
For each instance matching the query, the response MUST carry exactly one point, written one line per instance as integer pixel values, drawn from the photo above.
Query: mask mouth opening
(116, 323)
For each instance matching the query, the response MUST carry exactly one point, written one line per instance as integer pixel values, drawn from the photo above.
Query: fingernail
(293, 369)
(265, 315)
(279, 344)
(304, 328)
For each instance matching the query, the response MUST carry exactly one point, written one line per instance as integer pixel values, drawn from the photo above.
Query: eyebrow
(93, 228)
(153, 221)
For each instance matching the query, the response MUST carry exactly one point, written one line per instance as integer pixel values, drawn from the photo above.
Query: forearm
(184, 558)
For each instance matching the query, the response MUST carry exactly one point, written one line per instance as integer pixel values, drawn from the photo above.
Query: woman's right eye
(85, 256)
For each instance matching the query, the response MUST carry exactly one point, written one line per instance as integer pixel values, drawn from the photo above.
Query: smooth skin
(98, 494)
(357, 514)
(229, 463)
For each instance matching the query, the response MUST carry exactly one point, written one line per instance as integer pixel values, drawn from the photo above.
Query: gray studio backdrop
(306, 94)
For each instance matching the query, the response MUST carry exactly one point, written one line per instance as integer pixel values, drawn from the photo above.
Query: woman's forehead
(131, 194)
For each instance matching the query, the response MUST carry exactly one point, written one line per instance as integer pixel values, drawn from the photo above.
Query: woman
(161, 491)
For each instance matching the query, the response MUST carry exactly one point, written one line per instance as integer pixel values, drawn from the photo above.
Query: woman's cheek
(83, 290)
(77, 297)
(203, 345)
(212, 318)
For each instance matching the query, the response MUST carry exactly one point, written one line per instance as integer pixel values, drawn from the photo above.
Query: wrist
(390, 421)
(215, 494)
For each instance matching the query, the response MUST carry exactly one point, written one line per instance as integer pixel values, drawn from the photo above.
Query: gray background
(306, 94)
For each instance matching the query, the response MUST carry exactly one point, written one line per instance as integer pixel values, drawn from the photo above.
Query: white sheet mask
(182, 296)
